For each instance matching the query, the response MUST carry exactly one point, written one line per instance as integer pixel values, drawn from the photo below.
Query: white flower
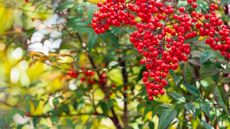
(41, 42)
(72, 85)
(20, 119)
(46, 39)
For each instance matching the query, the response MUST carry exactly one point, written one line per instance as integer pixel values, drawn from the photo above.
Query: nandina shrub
(162, 34)
(118, 64)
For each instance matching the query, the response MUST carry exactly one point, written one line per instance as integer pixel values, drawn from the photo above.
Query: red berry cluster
(162, 34)
(84, 75)
(102, 78)
(111, 13)
(218, 34)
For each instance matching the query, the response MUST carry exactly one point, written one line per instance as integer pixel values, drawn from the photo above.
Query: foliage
(54, 90)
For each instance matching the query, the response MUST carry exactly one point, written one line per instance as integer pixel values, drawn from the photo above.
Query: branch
(122, 63)
(115, 119)
(103, 87)
(65, 115)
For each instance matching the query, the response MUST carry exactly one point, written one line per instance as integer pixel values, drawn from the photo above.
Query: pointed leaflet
(220, 98)
(166, 118)
(177, 96)
(92, 40)
(206, 55)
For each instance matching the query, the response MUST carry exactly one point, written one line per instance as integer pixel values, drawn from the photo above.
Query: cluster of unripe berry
(162, 34)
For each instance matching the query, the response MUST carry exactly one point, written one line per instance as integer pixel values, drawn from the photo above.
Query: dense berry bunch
(162, 34)
(111, 12)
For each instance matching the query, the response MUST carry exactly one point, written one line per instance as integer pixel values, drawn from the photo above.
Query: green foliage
(197, 95)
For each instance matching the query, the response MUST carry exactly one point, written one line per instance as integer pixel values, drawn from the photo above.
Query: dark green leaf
(209, 90)
(35, 121)
(19, 126)
(105, 108)
(109, 37)
(177, 96)
(190, 107)
(166, 118)
(147, 109)
(192, 89)
(151, 125)
(220, 98)
(188, 73)
(140, 126)
(92, 40)
(54, 120)
(205, 107)
(208, 70)
(65, 5)
(206, 125)
(206, 55)
(177, 79)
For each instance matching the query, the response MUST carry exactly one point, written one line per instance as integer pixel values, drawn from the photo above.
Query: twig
(122, 63)
(104, 88)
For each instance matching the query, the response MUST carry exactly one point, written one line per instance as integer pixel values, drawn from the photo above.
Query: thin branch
(104, 88)
(66, 115)
(122, 63)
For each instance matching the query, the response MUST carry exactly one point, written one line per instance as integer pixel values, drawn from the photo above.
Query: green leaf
(148, 109)
(177, 96)
(35, 121)
(65, 5)
(104, 107)
(225, 1)
(220, 98)
(209, 90)
(205, 107)
(188, 73)
(79, 10)
(191, 108)
(182, 3)
(91, 8)
(177, 79)
(109, 37)
(202, 6)
(92, 40)
(151, 125)
(140, 126)
(54, 120)
(166, 118)
(19, 126)
(88, 125)
(206, 125)
(208, 70)
(206, 55)
(192, 89)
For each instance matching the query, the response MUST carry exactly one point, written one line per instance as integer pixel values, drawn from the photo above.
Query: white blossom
(20, 119)
(46, 39)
